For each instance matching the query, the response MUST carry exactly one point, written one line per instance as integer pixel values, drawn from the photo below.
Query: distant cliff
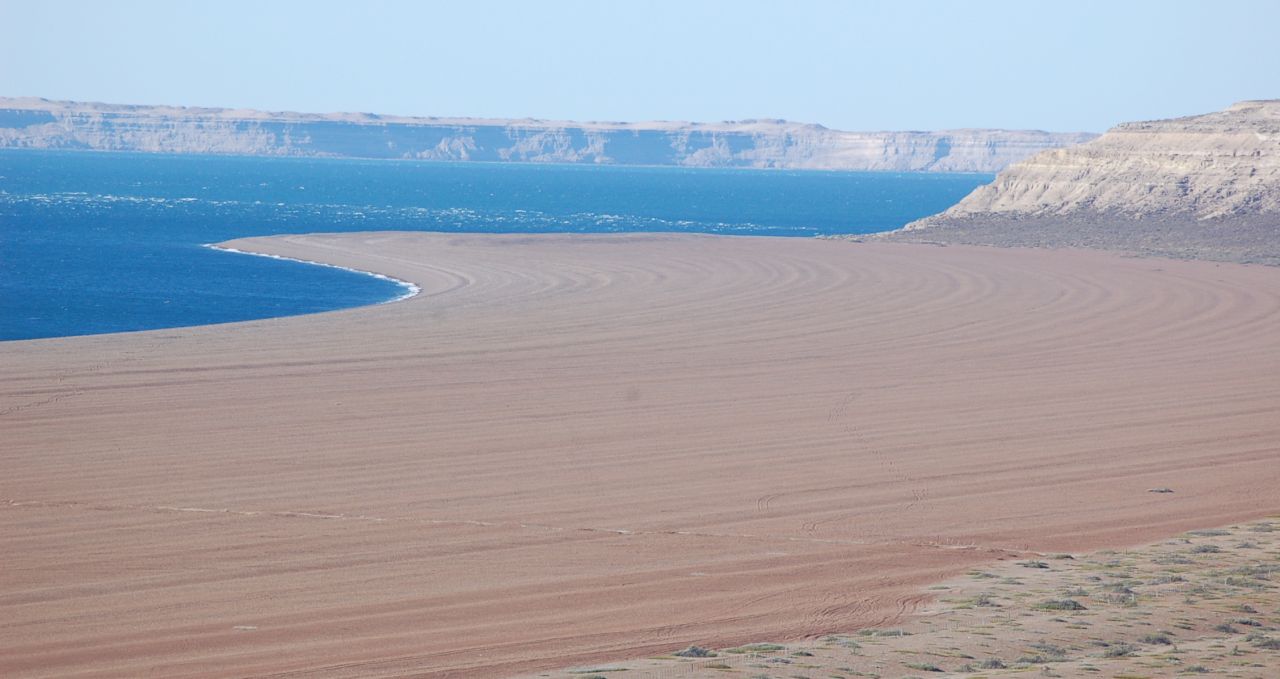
(40, 123)
(1200, 186)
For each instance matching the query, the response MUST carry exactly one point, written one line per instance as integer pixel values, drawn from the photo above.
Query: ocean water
(102, 242)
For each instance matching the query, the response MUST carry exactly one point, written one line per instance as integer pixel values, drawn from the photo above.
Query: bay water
(113, 242)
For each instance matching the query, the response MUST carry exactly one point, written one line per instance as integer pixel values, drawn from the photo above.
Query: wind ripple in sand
(575, 448)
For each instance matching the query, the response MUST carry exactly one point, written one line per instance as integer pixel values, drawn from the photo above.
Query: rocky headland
(41, 123)
(1205, 186)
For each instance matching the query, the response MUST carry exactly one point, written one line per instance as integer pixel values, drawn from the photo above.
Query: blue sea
(112, 242)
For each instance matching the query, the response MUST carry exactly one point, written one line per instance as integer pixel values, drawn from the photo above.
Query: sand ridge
(577, 448)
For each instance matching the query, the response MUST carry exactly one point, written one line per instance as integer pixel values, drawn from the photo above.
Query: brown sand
(571, 449)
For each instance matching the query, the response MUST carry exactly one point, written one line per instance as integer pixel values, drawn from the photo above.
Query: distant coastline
(30, 122)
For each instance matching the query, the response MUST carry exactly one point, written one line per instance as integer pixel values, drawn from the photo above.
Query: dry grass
(1169, 609)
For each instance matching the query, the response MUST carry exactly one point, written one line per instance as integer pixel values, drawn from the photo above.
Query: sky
(1081, 65)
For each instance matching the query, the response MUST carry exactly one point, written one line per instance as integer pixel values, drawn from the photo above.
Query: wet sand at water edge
(580, 448)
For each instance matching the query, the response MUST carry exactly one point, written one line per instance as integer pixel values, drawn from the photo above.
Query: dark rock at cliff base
(1204, 186)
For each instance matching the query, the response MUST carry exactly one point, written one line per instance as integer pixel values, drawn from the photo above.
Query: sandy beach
(578, 448)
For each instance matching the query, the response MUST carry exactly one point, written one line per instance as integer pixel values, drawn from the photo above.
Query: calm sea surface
(96, 242)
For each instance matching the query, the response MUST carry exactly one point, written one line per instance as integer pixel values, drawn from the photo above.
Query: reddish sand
(579, 448)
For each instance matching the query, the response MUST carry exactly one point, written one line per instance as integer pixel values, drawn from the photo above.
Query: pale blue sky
(909, 64)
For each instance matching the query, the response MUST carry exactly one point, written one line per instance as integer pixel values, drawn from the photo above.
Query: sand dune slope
(572, 448)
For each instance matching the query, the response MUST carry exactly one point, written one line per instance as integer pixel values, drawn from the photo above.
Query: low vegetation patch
(1263, 641)
(872, 632)
(1060, 605)
(756, 648)
(1118, 651)
(1177, 608)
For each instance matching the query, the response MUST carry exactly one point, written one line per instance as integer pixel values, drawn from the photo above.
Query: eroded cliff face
(1206, 185)
(39, 123)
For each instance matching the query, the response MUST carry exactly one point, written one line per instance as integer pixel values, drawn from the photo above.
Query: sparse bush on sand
(1264, 641)
(1118, 651)
(1060, 605)
(757, 648)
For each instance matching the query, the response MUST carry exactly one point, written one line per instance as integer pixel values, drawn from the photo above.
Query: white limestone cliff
(40, 123)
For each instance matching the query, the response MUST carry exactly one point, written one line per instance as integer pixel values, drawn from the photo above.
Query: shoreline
(492, 163)
(411, 290)
(637, 442)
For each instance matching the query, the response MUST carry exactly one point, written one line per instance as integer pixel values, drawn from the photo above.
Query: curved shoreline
(411, 289)
(637, 443)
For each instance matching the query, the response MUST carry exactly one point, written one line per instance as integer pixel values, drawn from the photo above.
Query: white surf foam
(410, 289)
